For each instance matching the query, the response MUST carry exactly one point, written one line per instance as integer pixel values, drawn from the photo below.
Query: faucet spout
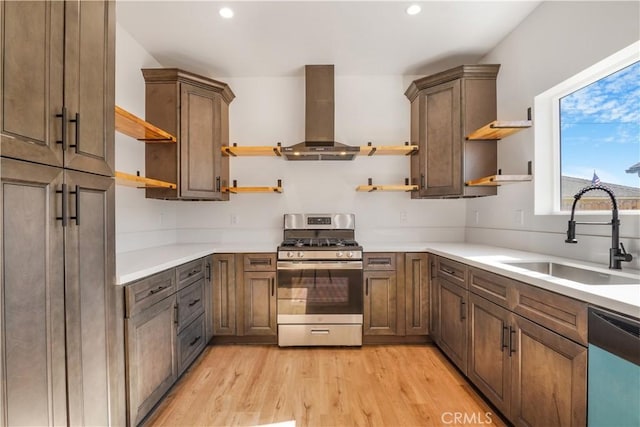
(617, 253)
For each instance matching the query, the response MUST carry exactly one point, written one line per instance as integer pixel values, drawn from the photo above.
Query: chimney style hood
(319, 143)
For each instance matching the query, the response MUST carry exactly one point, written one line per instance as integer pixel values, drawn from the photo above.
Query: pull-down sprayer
(617, 252)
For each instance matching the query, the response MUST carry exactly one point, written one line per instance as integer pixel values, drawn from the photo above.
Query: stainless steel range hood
(319, 143)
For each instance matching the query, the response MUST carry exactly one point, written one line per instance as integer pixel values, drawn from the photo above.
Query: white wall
(556, 41)
(140, 222)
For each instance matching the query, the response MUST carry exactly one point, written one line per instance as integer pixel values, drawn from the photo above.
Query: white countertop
(625, 299)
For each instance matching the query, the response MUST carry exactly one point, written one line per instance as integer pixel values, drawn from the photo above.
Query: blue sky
(600, 128)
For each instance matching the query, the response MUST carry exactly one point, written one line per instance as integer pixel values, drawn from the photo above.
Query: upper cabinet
(445, 107)
(196, 110)
(57, 83)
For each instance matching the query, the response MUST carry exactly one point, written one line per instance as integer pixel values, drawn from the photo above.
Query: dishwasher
(614, 370)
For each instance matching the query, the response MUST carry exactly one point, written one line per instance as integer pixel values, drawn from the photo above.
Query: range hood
(319, 143)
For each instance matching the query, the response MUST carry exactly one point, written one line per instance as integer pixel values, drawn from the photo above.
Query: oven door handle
(319, 265)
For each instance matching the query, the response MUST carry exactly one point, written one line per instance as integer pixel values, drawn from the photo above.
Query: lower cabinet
(166, 330)
(532, 369)
(396, 297)
(244, 297)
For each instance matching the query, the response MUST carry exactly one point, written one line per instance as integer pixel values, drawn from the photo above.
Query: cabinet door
(208, 298)
(32, 345)
(31, 80)
(93, 326)
(489, 356)
(200, 143)
(453, 322)
(440, 153)
(260, 303)
(549, 377)
(224, 294)
(151, 357)
(89, 75)
(434, 301)
(380, 315)
(416, 294)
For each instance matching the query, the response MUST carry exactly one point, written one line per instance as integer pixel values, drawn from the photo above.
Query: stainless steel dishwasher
(614, 370)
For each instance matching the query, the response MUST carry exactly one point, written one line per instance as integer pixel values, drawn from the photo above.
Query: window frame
(547, 131)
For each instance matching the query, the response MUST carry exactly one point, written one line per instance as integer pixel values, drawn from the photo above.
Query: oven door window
(320, 291)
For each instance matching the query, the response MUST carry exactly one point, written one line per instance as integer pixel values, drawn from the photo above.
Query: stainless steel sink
(576, 274)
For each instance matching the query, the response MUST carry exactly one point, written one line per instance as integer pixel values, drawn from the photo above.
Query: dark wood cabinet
(453, 322)
(59, 305)
(380, 293)
(434, 301)
(196, 110)
(57, 83)
(244, 298)
(445, 107)
(416, 272)
(489, 351)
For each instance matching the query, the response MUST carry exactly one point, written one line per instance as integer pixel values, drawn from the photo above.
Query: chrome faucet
(617, 252)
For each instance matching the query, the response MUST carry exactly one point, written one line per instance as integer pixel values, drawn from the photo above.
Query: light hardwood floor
(397, 385)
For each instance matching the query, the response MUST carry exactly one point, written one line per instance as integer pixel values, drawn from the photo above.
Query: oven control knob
(290, 254)
(350, 254)
(300, 254)
(339, 254)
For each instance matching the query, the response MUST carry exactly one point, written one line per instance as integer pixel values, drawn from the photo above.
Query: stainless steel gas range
(319, 281)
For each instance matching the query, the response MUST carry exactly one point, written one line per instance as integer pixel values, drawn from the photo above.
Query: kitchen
(269, 108)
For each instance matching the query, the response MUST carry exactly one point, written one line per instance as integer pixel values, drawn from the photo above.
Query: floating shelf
(498, 129)
(389, 150)
(141, 182)
(257, 150)
(370, 187)
(137, 128)
(235, 189)
(496, 180)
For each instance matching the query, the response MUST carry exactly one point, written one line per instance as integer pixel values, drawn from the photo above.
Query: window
(588, 131)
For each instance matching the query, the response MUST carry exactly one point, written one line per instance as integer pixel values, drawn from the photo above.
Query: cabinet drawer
(190, 272)
(452, 270)
(191, 341)
(564, 315)
(190, 303)
(380, 261)
(259, 262)
(495, 288)
(148, 291)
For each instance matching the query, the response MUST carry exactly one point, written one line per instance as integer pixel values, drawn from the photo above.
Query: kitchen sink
(576, 274)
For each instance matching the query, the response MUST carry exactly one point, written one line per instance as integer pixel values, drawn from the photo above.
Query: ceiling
(277, 38)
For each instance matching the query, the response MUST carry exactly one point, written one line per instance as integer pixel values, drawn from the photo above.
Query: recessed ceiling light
(226, 12)
(414, 9)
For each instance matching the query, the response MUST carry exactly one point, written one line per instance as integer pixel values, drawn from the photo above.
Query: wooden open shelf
(498, 129)
(370, 188)
(141, 182)
(258, 150)
(388, 150)
(496, 180)
(235, 189)
(137, 128)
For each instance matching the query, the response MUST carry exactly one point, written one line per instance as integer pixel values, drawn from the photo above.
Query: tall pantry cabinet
(61, 360)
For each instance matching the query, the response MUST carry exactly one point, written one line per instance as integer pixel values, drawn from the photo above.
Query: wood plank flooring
(399, 385)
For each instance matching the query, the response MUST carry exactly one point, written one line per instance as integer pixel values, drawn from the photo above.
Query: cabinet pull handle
(217, 184)
(503, 344)
(260, 261)
(195, 340)
(463, 312)
(76, 146)
(156, 290)
(446, 270)
(367, 288)
(379, 261)
(273, 286)
(208, 267)
(194, 302)
(65, 196)
(63, 141)
(176, 313)
(512, 346)
(422, 181)
(77, 194)
(433, 270)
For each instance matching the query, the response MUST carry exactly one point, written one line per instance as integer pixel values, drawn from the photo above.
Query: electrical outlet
(403, 217)
(518, 217)
(234, 219)
(476, 217)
